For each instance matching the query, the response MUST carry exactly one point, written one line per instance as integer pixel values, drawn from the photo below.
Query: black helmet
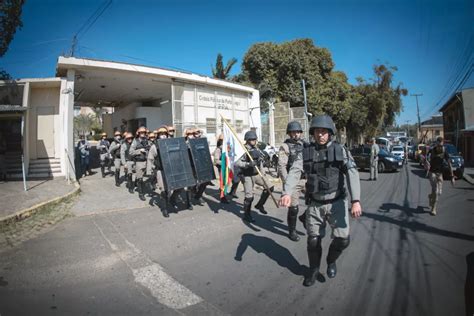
(250, 135)
(293, 127)
(322, 121)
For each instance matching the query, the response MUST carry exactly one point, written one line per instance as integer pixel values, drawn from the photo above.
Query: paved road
(401, 260)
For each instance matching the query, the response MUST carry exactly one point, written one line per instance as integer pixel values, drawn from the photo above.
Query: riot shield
(177, 170)
(201, 158)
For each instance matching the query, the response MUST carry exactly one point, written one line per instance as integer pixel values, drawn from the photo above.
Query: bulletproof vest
(257, 156)
(295, 147)
(116, 154)
(142, 144)
(323, 168)
(437, 157)
(104, 143)
(127, 150)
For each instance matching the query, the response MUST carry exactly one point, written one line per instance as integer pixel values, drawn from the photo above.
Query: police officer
(127, 161)
(154, 166)
(437, 156)
(218, 163)
(201, 187)
(325, 164)
(103, 148)
(171, 131)
(139, 152)
(251, 177)
(84, 152)
(114, 151)
(289, 150)
(374, 159)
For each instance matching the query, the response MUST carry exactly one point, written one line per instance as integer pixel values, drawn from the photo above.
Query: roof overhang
(65, 63)
(8, 108)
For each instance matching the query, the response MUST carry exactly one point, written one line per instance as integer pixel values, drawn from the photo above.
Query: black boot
(335, 249)
(314, 255)
(233, 190)
(199, 192)
(117, 178)
(102, 169)
(292, 214)
(188, 199)
(263, 198)
(130, 183)
(248, 210)
(164, 211)
(140, 187)
(172, 199)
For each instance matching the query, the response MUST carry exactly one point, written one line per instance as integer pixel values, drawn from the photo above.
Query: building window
(239, 125)
(210, 125)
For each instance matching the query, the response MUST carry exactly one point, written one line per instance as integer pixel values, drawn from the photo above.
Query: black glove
(251, 164)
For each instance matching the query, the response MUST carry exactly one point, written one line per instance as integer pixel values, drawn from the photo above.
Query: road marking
(149, 274)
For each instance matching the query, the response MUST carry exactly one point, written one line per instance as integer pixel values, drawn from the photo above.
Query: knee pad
(314, 243)
(293, 211)
(339, 243)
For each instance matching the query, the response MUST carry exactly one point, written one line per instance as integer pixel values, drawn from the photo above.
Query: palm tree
(83, 123)
(221, 72)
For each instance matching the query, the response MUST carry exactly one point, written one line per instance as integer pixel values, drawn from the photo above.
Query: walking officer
(251, 176)
(127, 161)
(139, 151)
(103, 148)
(154, 167)
(437, 156)
(114, 151)
(289, 150)
(374, 159)
(326, 164)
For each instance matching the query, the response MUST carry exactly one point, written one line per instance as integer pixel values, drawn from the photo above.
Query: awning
(7, 108)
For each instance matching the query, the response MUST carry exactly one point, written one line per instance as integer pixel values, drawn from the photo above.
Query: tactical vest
(104, 143)
(255, 154)
(127, 150)
(116, 154)
(141, 144)
(295, 147)
(157, 161)
(323, 168)
(437, 158)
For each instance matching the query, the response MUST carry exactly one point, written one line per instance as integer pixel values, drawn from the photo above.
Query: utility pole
(408, 130)
(418, 110)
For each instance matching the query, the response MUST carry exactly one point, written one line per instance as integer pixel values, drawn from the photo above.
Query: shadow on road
(387, 207)
(272, 250)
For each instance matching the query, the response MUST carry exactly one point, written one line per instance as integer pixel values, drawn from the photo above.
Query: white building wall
(155, 115)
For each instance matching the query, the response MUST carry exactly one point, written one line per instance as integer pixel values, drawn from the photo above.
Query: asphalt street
(401, 260)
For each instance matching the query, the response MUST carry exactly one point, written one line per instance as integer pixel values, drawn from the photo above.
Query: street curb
(23, 214)
(468, 178)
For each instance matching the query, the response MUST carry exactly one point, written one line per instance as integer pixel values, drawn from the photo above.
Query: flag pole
(251, 159)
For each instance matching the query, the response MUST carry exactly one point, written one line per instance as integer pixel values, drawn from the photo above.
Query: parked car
(457, 162)
(411, 152)
(387, 161)
(418, 150)
(398, 151)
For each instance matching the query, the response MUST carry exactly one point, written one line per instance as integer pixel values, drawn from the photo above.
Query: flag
(232, 150)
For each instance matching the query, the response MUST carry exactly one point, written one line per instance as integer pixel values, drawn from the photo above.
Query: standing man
(154, 167)
(171, 131)
(127, 161)
(84, 151)
(139, 152)
(218, 163)
(325, 164)
(104, 155)
(289, 150)
(437, 156)
(374, 159)
(251, 176)
(3, 162)
(115, 153)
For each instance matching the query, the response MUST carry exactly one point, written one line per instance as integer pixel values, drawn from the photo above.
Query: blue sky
(429, 41)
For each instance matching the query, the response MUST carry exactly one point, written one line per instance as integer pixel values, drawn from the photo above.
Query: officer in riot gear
(251, 176)
(171, 131)
(154, 166)
(326, 164)
(114, 151)
(139, 152)
(127, 161)
(289, 150)
(104, 155)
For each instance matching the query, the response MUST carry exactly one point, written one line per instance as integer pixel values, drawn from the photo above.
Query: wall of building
(41, 98)
(155, 115)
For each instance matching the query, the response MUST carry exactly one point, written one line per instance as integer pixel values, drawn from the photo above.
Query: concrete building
(139, 95)
(430, 129)
(458, 123)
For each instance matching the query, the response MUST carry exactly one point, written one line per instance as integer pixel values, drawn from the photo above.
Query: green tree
(10, 21)
(221, 72)
(85, 123)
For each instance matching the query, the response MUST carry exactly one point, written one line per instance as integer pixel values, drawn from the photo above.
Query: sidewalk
(15, 203)
(469, 175)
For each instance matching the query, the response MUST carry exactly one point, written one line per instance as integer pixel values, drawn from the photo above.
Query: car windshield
(451, 149)
(397, 148)
(383, 152)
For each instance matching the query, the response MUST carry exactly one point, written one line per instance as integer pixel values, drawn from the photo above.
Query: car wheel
(381, 167)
